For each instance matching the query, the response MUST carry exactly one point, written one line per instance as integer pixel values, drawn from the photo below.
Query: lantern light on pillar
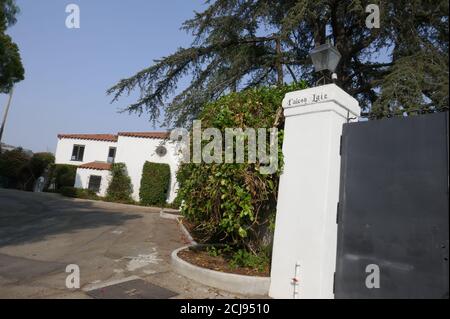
(325, 57)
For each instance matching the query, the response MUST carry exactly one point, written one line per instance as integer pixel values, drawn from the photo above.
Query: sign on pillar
(304, 250)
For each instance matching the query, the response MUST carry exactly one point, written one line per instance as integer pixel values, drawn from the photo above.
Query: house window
(94, 183)
(111, 154)
(77, 153)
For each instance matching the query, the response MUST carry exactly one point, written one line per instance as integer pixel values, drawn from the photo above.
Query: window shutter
(74, 152)
(81, 153)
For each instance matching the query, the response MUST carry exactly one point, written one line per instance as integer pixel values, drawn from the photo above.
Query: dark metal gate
(393, 209)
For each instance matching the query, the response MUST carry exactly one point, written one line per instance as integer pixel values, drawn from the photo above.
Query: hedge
(40, 162)
(20, 170)
(120, 187)
(62, 175)
(155, 183)
(70, 191)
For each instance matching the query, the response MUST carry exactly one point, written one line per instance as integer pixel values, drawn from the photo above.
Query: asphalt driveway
(41, 233)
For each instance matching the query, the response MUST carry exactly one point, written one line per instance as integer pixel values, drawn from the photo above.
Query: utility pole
(6, 114)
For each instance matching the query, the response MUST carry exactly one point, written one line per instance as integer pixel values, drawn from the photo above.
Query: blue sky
(67, 71)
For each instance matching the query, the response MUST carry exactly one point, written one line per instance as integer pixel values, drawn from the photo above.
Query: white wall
(93, 150)
(135, 151)
(82, 179)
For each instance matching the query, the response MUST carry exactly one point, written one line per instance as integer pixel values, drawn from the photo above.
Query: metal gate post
(305, 229)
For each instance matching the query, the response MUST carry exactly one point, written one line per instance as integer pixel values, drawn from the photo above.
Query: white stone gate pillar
(305, 229)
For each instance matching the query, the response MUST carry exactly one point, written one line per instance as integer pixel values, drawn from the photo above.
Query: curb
(186, 232)
(168, 215)
(179, 219)
(245, 285)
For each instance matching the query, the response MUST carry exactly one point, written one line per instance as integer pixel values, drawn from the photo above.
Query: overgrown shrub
(15, 169)
(20, 170)
(62, 175)
(235, 204)
(120, 187)
(40, 162)
(155, 183)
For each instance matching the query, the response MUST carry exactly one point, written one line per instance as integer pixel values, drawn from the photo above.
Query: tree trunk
(278, 64)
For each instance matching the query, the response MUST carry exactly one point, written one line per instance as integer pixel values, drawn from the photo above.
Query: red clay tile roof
(97, 165)
(163, 135)
(113, 138)
(96, 137)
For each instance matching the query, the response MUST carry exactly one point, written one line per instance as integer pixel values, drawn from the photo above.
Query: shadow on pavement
(27, 217)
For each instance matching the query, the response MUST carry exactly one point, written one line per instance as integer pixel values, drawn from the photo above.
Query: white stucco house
(95, 153)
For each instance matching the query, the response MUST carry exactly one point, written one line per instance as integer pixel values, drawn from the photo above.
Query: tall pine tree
(401, 66)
